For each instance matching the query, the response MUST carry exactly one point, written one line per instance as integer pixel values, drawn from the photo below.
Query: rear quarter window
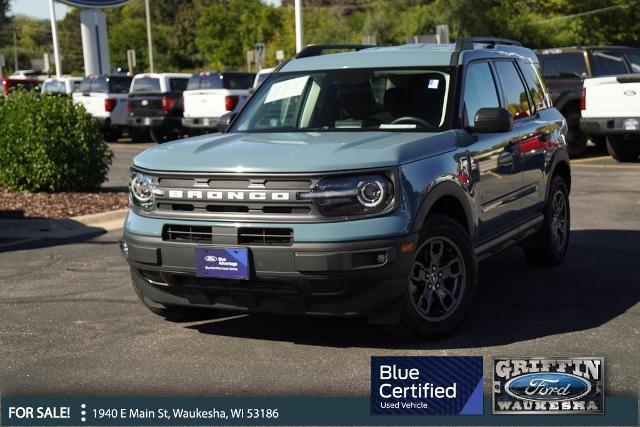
(534, 83)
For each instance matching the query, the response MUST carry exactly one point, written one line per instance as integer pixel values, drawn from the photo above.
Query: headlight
(141, 189)
(351, 195)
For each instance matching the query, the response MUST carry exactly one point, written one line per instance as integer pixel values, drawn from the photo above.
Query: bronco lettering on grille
(228, 195)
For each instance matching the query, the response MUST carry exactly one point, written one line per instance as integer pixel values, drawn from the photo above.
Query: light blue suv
(361, 183)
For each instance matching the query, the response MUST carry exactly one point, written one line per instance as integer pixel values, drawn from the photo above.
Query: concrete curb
(111, 220)
(21, 230)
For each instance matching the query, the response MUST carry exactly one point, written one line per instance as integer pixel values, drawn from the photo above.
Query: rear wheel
(576, 140)
(112, 134)
(623, 150)
(549, 246)
(441, 281)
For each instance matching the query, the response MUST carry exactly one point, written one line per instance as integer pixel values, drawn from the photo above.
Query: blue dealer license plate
(223, 263)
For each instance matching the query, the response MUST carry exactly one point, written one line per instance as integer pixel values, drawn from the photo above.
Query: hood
(294, 151)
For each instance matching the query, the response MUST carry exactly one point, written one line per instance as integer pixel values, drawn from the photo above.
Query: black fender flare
(445, 188)
(559, 157)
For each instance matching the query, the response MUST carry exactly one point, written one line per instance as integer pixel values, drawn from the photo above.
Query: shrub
(49, 144)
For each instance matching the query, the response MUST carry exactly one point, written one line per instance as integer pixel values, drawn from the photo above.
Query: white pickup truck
(611, 108)
(210, 95)
(105, 98)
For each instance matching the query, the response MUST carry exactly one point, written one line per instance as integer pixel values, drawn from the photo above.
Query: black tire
(576, 140)
(427, 317)
(623, 150)
(112, 134)
(599, 141)
(139, 134)
(174, 313)
(549, 247)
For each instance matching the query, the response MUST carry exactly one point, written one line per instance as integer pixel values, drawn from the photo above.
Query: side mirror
(492, 120)
(225, 120)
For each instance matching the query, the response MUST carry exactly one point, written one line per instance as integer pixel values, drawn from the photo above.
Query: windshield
(348, 99)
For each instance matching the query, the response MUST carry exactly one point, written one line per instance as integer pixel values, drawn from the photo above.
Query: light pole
(298, 15)
(54, 34)
(149, 40)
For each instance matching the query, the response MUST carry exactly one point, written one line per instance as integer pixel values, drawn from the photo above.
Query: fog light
(381, 258)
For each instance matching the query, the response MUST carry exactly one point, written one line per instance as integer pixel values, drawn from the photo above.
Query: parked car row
(568, 72)
(162, 106)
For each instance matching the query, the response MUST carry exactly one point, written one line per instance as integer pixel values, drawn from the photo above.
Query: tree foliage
(216, 34)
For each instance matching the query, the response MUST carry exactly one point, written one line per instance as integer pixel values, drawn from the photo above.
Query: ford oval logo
(547, 386)
(210, 258)
(630, 92)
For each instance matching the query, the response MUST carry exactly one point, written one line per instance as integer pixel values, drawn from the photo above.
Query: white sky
(40, 8)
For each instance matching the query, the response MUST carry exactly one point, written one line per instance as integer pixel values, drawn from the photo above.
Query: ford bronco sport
(364, 183)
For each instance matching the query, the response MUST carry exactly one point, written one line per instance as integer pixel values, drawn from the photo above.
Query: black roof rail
(317, 49)
(466, 43)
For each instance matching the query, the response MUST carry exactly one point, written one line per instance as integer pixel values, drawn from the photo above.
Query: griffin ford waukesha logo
(548, 386)
(228, 195)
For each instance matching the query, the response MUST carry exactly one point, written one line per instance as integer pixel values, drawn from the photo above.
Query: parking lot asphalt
(70, 323)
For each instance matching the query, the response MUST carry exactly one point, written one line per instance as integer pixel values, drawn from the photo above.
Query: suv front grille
(252, 236)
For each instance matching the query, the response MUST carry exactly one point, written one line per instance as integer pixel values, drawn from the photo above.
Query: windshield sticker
(286, 89)
(433, 84)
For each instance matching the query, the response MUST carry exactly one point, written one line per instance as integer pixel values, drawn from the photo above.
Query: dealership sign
(548, 385)
(93, 4)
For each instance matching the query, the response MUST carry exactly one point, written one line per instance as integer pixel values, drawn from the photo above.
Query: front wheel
(441, 281)
(623, 150)
(549, 246)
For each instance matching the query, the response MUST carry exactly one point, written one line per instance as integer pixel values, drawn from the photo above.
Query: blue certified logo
(447, 385)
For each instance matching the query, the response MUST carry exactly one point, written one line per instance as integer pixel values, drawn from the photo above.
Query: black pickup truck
(565, 69)
(155, 104)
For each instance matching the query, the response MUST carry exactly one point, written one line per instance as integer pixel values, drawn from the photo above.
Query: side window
(608, 63)
(515, 94)
(536, 89)
(634, 61)
(178, 85)
(570, 64)
(479, 91)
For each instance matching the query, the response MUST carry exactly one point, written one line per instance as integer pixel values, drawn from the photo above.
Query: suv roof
(423, 54)
(160, 75)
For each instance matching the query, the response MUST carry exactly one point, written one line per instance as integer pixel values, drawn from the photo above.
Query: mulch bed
(19, 205)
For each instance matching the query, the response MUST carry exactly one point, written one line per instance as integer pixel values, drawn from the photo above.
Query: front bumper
(610, 126)
(363, 279)
(200, 122)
